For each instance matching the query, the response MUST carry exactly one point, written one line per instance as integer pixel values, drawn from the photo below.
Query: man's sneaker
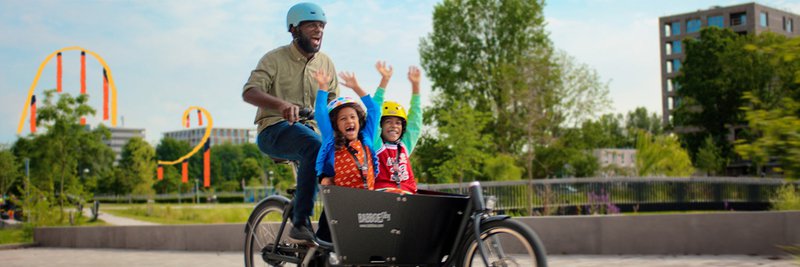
(301, 233)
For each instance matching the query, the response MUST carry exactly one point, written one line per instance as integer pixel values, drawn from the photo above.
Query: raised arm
(386, 74)
(415, 113)
(321, 106)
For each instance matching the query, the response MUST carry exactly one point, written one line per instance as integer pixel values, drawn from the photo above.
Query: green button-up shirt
(286, 74)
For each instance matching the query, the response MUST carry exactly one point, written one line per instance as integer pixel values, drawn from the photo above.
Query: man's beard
(304, 42)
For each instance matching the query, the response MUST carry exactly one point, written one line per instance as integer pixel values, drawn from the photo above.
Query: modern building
(748, 18)
(120, 136)
(616, 161)
(218, 135)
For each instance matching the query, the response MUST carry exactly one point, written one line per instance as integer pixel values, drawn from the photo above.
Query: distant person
(397, 137)
(280, 86)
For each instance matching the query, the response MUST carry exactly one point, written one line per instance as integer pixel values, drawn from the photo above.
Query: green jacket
(413, 124)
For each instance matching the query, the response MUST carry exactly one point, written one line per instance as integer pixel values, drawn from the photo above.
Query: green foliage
(66, 159)
(720, 69)
(709, 157)
(138, 167)
(501, 168)
(777, 132)
(9, 171)
(14, 236)
(165, 214)
(495, 57)
(661, 155)
(462, 136)
(639, 119)
(787, 198)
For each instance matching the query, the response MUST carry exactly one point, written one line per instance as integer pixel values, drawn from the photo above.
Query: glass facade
(716, 21)
(693, 25)
(738, 19)
(676, 28)
(763, 19)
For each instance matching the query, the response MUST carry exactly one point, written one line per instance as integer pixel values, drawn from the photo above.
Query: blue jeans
(296, 142)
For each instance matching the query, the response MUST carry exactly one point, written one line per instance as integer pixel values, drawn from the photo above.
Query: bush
(786, 198)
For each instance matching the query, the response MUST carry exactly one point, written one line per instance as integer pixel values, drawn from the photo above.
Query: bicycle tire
(260, 233)
(499, 236)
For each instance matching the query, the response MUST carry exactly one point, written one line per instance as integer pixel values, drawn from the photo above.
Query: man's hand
(290, 112)
(322, 79)
(326, 181)
(413, 77)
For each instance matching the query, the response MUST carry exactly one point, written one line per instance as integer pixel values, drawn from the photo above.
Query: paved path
(115, 220)
(35, 257)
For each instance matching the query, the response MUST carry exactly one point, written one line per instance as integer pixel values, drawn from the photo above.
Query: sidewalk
(35, 257)
(115, 220)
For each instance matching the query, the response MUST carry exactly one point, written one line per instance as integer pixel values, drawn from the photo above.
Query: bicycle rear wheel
(261, 234)
(509, 244)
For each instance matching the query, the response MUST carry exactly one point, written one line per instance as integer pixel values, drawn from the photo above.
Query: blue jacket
(325, 157)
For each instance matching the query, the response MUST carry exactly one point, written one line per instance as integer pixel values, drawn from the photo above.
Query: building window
(787, 24)
(677, 103)
(738, 19)
(764, 19)
(693, 25)
(670, 86)
(669, 66)
(669, 48)
(676, 28)
(676, 47)
(676, 65)
(670, 103)
(667, 30)
(716, 21)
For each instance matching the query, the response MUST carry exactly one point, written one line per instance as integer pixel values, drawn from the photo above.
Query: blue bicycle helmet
(304, 12)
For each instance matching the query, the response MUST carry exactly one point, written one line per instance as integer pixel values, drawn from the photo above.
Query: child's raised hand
(413, 77)
(322, 79)
(348, 79)
(386, 71)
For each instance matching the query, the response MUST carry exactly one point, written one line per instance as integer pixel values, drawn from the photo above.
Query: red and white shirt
(395, 169)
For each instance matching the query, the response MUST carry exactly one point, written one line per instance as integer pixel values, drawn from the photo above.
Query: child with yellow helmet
(399, 132)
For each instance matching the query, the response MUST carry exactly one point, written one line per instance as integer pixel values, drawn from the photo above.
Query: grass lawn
(14, 235)
(182, 214)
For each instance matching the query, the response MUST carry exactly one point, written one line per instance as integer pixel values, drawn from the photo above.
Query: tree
(138, 167)
(462, 136)
(169, 149)
(659, 155)
(61, 152)
(778, 135)
(709, 157)
(640, 119)
(718, 69)
(471, 44)
(9, 171)
(773, 111)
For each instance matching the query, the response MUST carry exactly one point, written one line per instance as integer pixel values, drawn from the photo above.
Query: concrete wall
(675, 234)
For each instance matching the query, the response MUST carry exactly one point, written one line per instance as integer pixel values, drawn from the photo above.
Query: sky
(166, 56)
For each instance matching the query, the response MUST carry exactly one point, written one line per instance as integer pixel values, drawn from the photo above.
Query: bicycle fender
(277, 199)
(495, 218)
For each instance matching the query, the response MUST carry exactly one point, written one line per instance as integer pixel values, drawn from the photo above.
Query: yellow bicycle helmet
(391, 108)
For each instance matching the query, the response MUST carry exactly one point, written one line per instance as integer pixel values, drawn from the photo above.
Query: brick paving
(35, 257)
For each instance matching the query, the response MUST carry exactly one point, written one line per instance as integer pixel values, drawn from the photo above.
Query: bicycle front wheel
(262, 232)
(508, 243)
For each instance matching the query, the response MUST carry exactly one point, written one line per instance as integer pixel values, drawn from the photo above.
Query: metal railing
(539, 193)
(512, 195)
